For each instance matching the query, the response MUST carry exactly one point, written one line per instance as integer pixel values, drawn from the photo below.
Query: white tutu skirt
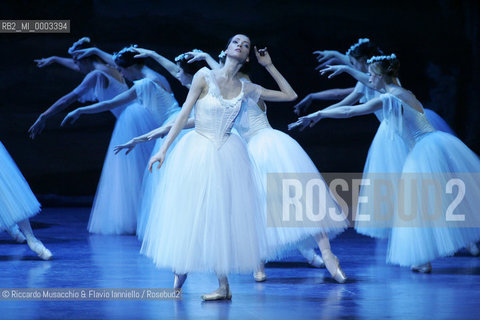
(440, 157)
(385, 160)
(17, 201)
(117, 200)
(437, 122)
(204, 215)
(273, 151)
(151, 182)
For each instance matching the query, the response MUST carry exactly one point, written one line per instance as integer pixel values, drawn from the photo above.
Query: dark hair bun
(125, 57)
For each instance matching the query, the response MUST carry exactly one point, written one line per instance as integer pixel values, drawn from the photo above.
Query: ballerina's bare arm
(66, 62)
(193, 56)
(337, 113)
(197, 88)
(356, 74)
(152, 135)
(349, 100)
(83, 53)
(120, 100)
(170, 66)
(88, 82)
(286, 92)
(330, 94)
(326, 55)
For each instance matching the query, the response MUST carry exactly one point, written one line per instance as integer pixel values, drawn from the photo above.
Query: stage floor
(293, 289)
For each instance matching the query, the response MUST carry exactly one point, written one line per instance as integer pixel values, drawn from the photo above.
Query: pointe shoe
(422, 268)
(219, 294)
(179, 280)
(317, 262)
(333, 266)
(259, 276)
(473, 249)
(38, 247)
(16, 234)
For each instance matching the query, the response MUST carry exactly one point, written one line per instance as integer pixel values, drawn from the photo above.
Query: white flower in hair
(126, 49)
(180, 57)
(381, 58)
(77, 44)
(355, 46)
(222, 55)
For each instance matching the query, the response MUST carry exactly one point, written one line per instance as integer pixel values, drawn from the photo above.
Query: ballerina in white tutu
(273, 151)
(183, 72)
(354, 62)
(205, 213)
(17, 205)
(147, 105)
(426, 233)
(387, 153)
(102, 82)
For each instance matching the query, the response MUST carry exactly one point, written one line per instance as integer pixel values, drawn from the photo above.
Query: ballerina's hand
(263, 57)
(71, 117)
(324, 55)
(43, 62)
(129, 146)
(37, 127)
(304, 122)
(83, 53)
(143, 53)
(302, 105)
(193, 56)
(160, 157)
(336, 70)
(328, 62)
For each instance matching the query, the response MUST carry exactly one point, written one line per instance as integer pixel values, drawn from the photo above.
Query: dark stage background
(437, 42)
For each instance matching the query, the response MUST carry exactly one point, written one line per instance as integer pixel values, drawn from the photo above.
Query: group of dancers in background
(205, 208)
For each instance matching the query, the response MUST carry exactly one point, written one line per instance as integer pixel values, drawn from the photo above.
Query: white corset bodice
(214, 115)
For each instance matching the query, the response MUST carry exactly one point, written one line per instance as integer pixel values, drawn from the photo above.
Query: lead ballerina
(205, 215)
(424, 231)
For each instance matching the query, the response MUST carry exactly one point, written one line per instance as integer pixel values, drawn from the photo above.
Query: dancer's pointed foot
(16, 234)
(317, 262)
(333, 266)
(260, 276)
(473, 249)
(38, 247)
(422, 268)
(222, 293)
(179, 280)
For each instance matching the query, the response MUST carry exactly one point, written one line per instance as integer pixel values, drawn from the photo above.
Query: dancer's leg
(312, 257)
(179, 280)
(16, 234)
(34, 244)
(331, 261)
